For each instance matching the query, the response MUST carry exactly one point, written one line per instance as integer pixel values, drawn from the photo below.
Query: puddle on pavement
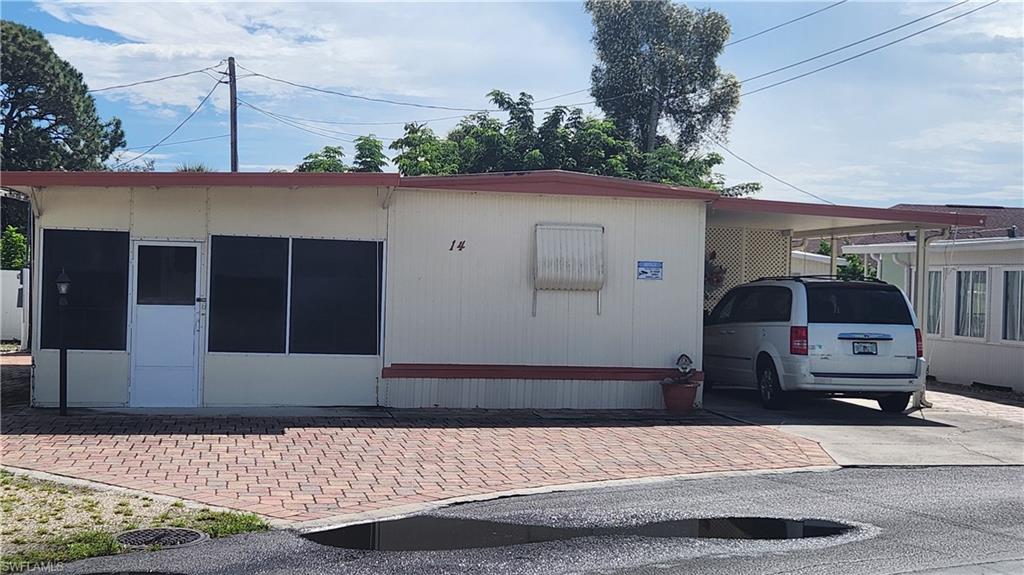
(438, 533)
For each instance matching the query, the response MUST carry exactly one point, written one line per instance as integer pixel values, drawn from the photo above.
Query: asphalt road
(921, 520)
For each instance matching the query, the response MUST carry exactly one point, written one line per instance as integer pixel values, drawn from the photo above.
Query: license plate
(865, 348)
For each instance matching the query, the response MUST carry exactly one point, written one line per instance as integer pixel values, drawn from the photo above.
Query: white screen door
(165, 326)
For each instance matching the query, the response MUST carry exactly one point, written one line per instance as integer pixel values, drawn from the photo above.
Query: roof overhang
(965, 245)
(822, 220)
(25, 180)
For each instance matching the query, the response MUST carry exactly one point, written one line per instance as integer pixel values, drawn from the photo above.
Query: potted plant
(680, 391)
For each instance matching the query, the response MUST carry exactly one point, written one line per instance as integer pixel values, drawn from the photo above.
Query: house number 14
(457, 245)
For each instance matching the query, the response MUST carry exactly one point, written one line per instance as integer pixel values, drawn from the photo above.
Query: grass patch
(62, 549)
(45, 522)
(220, 523)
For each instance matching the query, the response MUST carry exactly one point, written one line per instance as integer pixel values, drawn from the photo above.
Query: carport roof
(822, 220)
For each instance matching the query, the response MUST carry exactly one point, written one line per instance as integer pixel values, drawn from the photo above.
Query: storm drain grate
(162, 536)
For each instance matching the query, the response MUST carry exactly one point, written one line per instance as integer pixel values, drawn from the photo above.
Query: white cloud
(438, 53)
(964, 135)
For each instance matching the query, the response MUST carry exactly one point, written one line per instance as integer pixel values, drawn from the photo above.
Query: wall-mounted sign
(648, 270)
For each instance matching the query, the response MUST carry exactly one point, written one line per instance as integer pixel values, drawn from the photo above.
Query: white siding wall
(102, 378)
(963, 360)
(475, 306)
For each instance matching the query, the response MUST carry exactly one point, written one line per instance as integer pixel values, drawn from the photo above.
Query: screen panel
(335, 297)
(248, 294)
(96, 316)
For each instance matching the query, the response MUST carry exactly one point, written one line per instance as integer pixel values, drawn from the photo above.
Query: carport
(752, 238)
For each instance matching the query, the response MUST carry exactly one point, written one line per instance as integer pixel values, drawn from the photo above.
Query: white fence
(13, 303)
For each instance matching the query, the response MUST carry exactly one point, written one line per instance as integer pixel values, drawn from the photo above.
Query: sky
(938, 118)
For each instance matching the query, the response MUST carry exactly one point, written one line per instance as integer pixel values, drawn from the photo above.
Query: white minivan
(808, 334)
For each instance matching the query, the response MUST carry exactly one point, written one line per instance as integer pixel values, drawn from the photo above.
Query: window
(326, 291)
(96, 316)
(335, 297)
(868, 304)
(569, 257)
(166, 275)
(934, 301)
(723, 312)
(1013, 305)
(765, 304)
(248, 294)
(970, 303)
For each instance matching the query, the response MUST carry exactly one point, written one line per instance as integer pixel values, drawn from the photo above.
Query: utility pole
(234, 113)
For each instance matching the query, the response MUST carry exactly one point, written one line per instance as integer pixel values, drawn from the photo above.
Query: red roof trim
(888, 214)
(196, 179)
(557, 182)
(480, 371)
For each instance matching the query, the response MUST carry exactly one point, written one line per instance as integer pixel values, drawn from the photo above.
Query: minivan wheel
(894, 402)
(772, 396)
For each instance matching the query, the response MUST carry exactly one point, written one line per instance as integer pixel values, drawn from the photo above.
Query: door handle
(727, 331)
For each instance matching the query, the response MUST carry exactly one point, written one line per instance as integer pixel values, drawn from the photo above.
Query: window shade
(569, 257)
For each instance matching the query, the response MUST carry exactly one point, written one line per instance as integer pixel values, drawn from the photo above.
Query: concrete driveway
(958, 430)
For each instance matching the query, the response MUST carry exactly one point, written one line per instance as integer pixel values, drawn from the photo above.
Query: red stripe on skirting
(463, 371)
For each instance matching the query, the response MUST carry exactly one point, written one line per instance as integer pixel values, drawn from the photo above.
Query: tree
(421, 152)
(369, 155)
(329, 159)
(655, 60)
(187, 167)
(49, 119)
(15, 212)
(565, 139)
(13, 249)
(854, 268)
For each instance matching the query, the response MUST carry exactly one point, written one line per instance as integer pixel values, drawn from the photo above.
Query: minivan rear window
(839, 303)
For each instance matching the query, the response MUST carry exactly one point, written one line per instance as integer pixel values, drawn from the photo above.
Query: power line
(356, 96)
(176, 128)
(274, 116)
(561, 95)
(161, 79)
(770, 175)
(599, 101)
(179, 142)
(866, 52)
(787, 23)
(852, 44)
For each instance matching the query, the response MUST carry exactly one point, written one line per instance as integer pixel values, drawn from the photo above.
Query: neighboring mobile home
(975, 295)
(524, 290)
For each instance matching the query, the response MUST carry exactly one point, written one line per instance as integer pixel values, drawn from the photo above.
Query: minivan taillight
(798, 340)
(920, 344)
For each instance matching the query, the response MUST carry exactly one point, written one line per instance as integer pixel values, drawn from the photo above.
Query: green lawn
(43, 522)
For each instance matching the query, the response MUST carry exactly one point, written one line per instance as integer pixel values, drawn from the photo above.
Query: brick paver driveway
(305, 468)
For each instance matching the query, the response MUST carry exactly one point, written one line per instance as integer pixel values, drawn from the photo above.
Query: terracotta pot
(679, 397)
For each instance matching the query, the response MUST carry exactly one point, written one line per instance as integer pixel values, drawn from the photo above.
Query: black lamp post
(63, 289)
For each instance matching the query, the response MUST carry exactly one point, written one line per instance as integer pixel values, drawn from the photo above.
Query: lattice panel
(747, 254)
(768, 254)
(727, 243)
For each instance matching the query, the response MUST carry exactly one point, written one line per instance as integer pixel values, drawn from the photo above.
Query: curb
(398, 511)
(100, 486)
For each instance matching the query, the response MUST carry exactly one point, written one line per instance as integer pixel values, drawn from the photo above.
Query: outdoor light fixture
(63, 283)
(63, 289)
